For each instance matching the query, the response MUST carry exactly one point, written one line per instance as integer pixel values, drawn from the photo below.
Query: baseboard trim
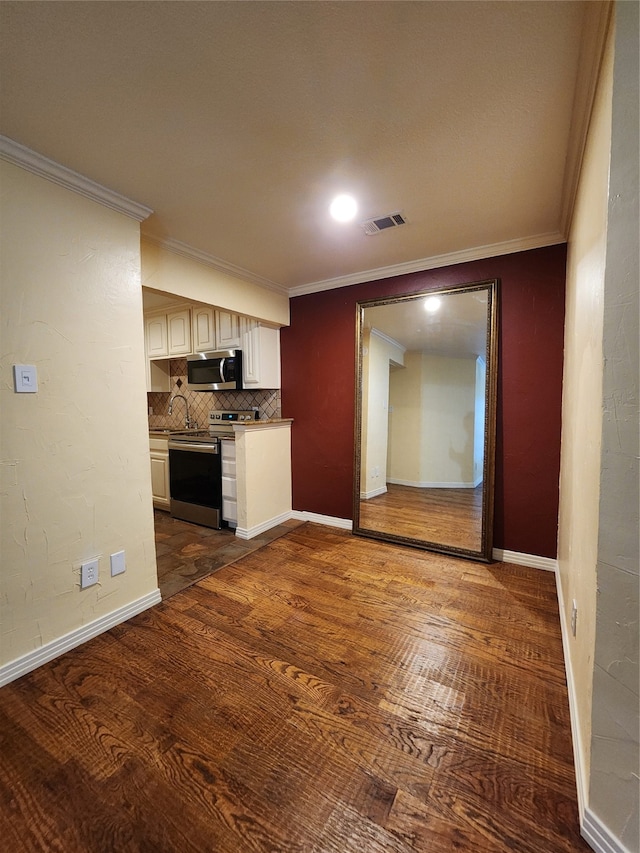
(592, 829)
(532, 560)
(329, 520)
(582, 786)
(32, 660)
(374, 493)
(257, 529)
(428, 484)
(598, 836)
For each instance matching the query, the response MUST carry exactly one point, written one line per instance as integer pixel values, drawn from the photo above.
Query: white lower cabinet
(229, 482)
(159, 448)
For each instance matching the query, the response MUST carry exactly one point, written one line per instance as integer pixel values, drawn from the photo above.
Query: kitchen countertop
(166, 432)
(263, 422)
(161, 432)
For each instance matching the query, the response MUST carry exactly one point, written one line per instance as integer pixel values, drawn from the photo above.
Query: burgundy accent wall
(318, 391)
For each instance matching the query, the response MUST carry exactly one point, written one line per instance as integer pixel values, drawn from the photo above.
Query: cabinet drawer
(229, 510)
(229, 489)
(228, 467)
(228, 449)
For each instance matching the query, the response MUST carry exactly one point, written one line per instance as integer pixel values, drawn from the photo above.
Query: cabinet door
(227, 330)
(179, 332)
(156, 336)
(204, 333)
(261, 358)
(160, 478)
(250, 356)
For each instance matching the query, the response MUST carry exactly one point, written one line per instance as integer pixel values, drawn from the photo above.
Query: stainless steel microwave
(215, 371)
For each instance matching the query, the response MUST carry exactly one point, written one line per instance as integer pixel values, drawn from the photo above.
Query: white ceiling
(458, 329)
(237, 122)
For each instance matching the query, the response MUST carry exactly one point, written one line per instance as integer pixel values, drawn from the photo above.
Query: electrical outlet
(574, 616)
(89, 573)
(118, 564)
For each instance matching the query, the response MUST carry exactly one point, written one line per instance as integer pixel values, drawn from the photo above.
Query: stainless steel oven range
(195, 476)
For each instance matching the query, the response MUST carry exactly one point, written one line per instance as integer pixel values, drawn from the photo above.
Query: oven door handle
(192, 447)
(222, 363)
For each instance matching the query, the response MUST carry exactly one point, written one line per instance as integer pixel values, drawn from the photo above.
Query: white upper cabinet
(228, 334)
(156, 336)
(261, 357)
(179, 332)
(204, 330)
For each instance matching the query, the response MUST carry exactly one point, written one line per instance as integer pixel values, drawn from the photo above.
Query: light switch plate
(118, 565)
(25, 378)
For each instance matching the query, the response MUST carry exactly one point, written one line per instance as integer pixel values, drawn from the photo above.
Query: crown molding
(597, 20)
(20, 155)
(387, 339)
(187, 251)
(477, 253)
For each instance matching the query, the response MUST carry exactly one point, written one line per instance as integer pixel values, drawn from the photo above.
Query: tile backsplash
(202, 402)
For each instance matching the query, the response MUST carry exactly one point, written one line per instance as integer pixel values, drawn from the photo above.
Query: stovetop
(227, 417)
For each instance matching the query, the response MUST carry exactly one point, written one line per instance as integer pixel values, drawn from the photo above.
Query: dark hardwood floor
(445, 516)
(325, 694)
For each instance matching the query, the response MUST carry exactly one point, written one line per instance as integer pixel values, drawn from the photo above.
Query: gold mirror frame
(439, 521)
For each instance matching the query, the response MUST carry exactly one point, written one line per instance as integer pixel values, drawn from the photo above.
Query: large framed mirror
(426, 384)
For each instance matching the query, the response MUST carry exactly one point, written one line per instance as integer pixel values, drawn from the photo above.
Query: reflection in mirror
(425, 419)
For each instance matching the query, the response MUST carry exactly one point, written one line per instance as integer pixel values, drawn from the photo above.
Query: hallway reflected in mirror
(425, 419)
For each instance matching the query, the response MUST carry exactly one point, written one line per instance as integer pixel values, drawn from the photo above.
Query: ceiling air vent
(375, 226)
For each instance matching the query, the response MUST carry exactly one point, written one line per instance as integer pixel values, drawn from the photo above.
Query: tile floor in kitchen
(187, 552)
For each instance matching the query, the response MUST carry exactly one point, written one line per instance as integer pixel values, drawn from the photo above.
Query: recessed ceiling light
(343, 208)
(431, 304)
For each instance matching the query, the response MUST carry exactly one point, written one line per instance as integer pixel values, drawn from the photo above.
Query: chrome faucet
(187, 420)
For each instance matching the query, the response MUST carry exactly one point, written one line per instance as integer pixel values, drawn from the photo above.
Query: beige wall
(405, 422)
(75, 456)
(169, 272)
(378, 353)
(582, 405)
(598, 551)
(432, 423)
(448, 406)
(615, 719)
(263, 470)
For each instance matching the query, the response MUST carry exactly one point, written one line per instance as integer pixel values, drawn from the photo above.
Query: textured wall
(75, 456)
(582, 407)
(318, 376)
(175, 274)
(615, 757)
